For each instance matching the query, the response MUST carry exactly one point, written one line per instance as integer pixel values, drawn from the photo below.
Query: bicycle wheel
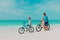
(21, 30)
(38, 28)
(31, 29)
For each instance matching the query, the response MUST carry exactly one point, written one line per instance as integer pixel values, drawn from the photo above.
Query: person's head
(29, 18)
(44, 14)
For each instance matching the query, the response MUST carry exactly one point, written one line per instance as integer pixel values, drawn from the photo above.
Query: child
(29, 22)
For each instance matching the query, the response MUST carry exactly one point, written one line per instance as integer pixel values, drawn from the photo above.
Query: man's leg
(46, 26)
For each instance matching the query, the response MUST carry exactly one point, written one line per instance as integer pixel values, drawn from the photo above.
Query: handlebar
(40, 21)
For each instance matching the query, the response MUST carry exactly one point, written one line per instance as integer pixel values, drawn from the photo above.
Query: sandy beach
(11, 33)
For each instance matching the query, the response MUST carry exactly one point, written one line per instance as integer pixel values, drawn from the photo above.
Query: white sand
(11, 33)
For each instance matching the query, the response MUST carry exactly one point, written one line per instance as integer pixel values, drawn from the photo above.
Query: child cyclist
(29, 22)
(45, 18)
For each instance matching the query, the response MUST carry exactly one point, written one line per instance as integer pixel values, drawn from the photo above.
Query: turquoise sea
(23, 22)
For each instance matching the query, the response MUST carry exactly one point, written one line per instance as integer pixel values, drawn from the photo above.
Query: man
(45, 18)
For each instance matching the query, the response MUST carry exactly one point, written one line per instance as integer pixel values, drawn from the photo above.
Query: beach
(11, 33)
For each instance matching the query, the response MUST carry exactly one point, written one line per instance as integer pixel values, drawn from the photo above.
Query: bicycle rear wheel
(48, 27)
(31, 29)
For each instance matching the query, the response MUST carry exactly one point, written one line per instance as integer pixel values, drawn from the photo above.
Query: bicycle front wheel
(21, 30)
(38, 28)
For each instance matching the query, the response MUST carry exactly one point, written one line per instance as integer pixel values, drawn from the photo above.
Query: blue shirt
(45, 18)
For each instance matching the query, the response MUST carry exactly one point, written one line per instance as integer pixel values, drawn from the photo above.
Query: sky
(22, 9)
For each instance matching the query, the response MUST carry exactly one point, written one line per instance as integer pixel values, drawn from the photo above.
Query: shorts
(29, 26)
(46, 23)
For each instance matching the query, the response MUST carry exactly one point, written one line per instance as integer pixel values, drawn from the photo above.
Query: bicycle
(29, 28)
(39, 27)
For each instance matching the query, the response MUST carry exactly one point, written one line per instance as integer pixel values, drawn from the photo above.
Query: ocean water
(23, 22)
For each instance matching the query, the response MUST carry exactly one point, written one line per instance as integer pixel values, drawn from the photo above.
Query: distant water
(23, 22)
